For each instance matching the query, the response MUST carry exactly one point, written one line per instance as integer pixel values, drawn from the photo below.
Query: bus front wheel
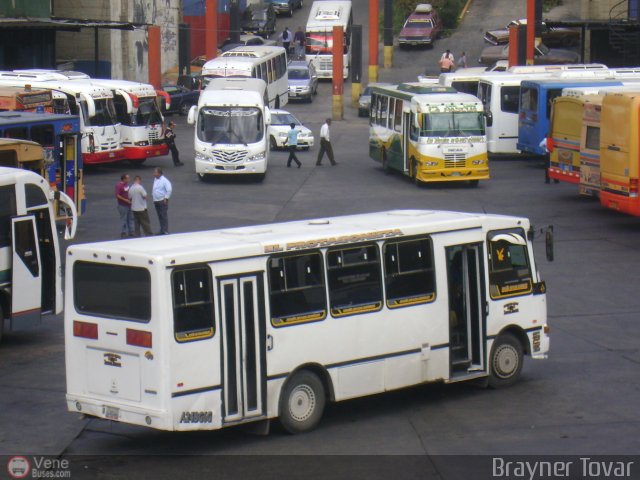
(414, 172)
(302, 402)
(505, 361)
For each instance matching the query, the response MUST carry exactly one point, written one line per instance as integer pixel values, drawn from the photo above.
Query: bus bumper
(104, 157)
(455, 176)
(147, 151)
(540, 342)
(620, 202)
(564, 175)
(209, 166)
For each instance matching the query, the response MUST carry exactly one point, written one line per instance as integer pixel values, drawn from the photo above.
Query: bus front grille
(455, 160)
(235, 156)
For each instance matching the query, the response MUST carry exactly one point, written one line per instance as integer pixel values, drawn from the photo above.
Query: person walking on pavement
(286, 39)
(292, 144)
(138, 197)
(325, 144)
(170, 140)
(298, 42)
(124, 206)
(446, 62)
(161, 193)
(462, 61)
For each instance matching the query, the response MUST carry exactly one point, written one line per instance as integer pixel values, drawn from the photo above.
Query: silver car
(303, 80)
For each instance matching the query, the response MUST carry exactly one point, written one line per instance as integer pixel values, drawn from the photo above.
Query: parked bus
(60, 136)
(137, 108)
(590, 147)
(619, 152)
(205, 330)
(101, 139)
(431, 134)
(536, 100)
(268, 63)
(231, 121)
(26, 99)
(323, 16)
(30, 265)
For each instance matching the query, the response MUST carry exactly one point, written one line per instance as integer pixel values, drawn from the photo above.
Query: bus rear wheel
(302, 402)
(505, 361)
(385, 162)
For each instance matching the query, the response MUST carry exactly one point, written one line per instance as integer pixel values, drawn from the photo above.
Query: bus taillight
(85, 330)
(139, 338)
(633, 187)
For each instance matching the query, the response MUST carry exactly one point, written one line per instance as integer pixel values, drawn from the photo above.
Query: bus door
(26, 272)
(406, 132)
(466, 308)
(242, 324)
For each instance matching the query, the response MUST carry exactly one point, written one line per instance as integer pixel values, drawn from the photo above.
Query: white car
(281, 121)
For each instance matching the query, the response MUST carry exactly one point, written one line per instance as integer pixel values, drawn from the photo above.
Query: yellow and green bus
(429, 133)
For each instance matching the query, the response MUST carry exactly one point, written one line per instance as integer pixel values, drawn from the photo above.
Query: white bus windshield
(452, 124)
(230, 125)
(105, 113)
(148, 113)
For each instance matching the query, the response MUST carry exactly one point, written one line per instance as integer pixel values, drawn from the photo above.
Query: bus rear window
(112, 291)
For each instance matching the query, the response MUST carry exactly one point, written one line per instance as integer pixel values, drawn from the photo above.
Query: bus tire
(259, 177)
(474, 183)
(505, 361)
(302, 402)
(273, 143)
(414, 172)
(203, 177)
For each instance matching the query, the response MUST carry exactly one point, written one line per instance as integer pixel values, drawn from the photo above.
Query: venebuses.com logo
(18, 467)
(38, 467)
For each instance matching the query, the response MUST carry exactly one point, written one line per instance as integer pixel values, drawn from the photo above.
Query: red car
(422, 27)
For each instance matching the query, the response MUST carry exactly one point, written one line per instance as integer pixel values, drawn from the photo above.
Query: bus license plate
(229, 168)
(292, 94)
(112, 413)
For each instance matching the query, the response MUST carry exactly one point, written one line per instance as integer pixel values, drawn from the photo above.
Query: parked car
(259, 19)
(422, 27)
(543, 55)
(281, 121)
(285, 6)
(181, 98)
(550, 36)
(364, 103)
(244, 41)
(303, 80)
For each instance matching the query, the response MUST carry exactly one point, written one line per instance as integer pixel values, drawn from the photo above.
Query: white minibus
(323, 16)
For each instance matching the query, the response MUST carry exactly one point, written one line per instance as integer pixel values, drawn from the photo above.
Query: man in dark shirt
(170, 139)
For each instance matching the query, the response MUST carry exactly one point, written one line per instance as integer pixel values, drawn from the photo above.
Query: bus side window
(397, 122)
(373, 108)
(414, 132)
(510, 99)
(43, 134)
(193, 317)
(7, 211)
(409, 274)
(509, 269)
(297, 290)
(354, 277)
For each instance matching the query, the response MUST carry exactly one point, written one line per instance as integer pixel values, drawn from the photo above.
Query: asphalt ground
(582, 401)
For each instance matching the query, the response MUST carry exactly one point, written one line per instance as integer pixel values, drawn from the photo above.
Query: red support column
(211, 29)
(338, 73)
(513, 45)
(155, 74)
(531, 30)
(374, 14)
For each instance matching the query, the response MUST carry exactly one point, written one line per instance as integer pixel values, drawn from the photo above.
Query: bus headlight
(256, 158)
(430, 164)
(143, 143)
(477, 162)
(200, 157)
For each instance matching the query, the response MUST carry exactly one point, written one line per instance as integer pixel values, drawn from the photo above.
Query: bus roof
(325, 14)
(254, 51)
(208, 246)
(71, 87)
(135, 88)
(9, 175)
(15, 117)
(564, 82)
(11, 90)
(424, 94)
(251, 92)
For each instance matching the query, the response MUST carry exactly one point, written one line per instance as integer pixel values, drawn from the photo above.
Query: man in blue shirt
(161, 193)
(292, 144)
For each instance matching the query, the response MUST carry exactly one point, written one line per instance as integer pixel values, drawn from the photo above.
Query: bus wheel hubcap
(302, 402)
(505, 362)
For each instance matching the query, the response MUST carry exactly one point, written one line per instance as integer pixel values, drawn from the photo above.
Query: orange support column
(531, 30)
(211, 29)
(338, 73)
(155, 74)
(513, 45)
(374, 13)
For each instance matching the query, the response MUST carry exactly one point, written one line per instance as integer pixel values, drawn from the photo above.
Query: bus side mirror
(489, 118)
(416, 121)
(191, 118)
(267, 116)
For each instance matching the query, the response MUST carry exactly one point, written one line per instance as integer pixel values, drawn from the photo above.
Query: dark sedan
(259, 19)
(543, 55)
(551, 36)
(181, 98)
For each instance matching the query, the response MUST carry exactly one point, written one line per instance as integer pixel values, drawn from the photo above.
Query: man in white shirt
(325, 144)
(138, 197)
(161, 193)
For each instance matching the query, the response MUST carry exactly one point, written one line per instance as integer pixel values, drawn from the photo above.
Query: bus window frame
(494, 289)
(197, 334)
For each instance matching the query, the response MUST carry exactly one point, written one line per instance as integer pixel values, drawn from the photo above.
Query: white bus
(429, 133)
(205, 330)
(268, 63)
(101, 139)
(324, 15)
(231, 121)
(141, 122)
(30, 266)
